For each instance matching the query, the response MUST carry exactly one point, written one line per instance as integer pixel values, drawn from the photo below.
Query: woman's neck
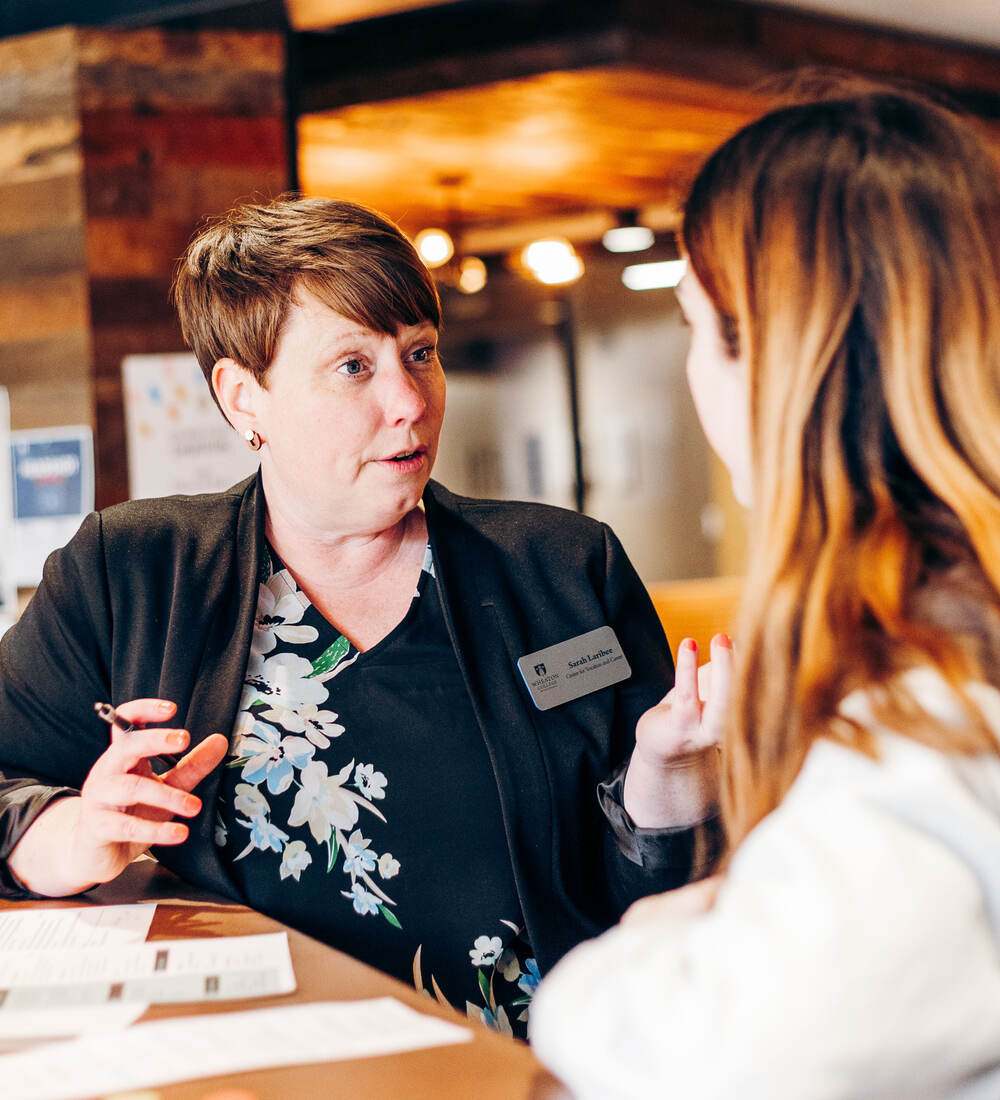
(361, 582)
(349, 557)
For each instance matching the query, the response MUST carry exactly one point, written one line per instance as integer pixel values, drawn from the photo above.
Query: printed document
(146, 1055)
(157, 972)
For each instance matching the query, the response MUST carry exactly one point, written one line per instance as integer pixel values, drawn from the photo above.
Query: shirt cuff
(21, 802)
(694, 849)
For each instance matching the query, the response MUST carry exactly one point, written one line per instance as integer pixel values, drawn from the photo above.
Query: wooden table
(488, 1068)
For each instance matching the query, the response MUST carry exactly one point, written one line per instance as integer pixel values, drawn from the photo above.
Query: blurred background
(549, 144)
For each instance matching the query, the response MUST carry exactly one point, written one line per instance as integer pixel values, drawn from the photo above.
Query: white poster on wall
(177, 440)
(52, 478)
(8, 582)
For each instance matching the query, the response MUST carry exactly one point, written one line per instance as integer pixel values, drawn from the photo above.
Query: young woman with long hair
(844, 295)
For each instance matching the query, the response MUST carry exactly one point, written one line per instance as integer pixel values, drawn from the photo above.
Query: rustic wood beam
(724, 41)
(454, 47)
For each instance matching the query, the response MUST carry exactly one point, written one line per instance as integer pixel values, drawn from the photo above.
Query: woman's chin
(398, 505)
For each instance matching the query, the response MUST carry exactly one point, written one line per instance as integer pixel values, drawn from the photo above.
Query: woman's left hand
(691, 716)
(673, 776)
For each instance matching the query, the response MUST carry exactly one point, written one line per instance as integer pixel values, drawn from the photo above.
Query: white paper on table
(21, 1029)
(158, 972)
(27, 929)
(83, 926)
(183, 1049)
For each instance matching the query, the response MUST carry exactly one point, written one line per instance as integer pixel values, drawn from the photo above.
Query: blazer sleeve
(641, 861)
(53, 667)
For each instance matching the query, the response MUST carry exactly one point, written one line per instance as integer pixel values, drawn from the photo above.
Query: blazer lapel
(229, 599)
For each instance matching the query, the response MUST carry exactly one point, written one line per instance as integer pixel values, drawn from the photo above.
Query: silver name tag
(576, 667)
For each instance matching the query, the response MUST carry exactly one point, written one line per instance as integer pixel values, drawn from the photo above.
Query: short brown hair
(234, 285)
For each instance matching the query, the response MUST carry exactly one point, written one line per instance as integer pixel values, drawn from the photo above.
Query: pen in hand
(107, 713)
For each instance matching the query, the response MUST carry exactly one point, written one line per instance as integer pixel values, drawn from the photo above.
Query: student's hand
(123, 806)
(688, 901)
(673, 776)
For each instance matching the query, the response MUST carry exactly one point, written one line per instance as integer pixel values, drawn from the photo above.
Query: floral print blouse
(359, 803)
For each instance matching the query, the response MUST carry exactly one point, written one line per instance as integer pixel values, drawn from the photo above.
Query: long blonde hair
(851, 247)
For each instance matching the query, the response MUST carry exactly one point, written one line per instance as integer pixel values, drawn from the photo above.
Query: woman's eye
(352, 367)
(423, 355)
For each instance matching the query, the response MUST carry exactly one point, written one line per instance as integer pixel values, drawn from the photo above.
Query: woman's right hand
(123, 806)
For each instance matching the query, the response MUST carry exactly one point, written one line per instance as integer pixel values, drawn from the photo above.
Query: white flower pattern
(387, 866)
(284, 679)
(283, 725)
(278, 610)
(369, 782)
(506, 975)
(280, 727)
(486, 950)
(323, 802)
(294, 859)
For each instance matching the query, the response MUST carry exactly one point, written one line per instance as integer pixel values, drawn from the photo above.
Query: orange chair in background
(696, 609)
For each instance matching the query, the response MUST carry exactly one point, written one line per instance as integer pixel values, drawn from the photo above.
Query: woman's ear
(235, 389)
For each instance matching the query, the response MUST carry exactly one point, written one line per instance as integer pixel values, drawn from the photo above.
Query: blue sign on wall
(48, 477)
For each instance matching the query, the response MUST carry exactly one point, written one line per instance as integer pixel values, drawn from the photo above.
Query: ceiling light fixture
(654, 276)
(442, 251)
(552, 261)
(471, 275)
(628, 235)
(434, 246)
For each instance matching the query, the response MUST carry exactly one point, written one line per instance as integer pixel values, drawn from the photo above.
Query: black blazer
(157, 598)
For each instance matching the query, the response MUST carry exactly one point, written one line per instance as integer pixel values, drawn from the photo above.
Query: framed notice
(52, 489)
(177, 439)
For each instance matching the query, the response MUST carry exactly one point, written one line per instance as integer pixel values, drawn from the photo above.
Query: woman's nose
(403, 399)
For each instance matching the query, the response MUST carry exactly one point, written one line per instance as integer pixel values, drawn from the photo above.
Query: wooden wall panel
(38, 75)
(31, 205)
(43, 403)
(44, 321)
(175, 126)
(46, 306)
(114, 145)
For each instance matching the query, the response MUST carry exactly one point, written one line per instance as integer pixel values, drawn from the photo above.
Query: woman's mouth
(406, 461)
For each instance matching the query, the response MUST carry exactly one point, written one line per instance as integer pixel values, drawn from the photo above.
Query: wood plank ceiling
(501, 116)
(542, 147)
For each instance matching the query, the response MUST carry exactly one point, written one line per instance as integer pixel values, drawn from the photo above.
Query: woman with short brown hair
(411, 773)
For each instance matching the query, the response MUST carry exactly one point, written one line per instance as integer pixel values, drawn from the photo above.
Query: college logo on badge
(576, 667)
